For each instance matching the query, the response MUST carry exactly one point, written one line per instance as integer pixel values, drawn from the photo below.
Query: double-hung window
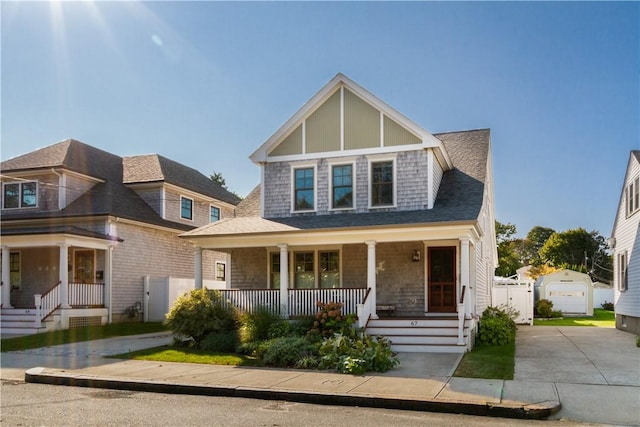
(214, 214)
(304, 194)
(221, 273)
(622, 272)
(382, 183)
(329, 266)
(186, 208)
(633, 197)
(342, 186)
(275, 270)
(20, 195)
(304, 270)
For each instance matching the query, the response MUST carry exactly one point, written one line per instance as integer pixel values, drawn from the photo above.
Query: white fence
(517, 295)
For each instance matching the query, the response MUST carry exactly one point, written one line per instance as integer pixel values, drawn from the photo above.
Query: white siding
(627, 235)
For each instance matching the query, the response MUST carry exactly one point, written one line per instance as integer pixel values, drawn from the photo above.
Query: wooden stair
(438, 334)
(19, 321)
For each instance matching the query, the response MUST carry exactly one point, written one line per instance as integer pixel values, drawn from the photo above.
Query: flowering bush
(329, 319)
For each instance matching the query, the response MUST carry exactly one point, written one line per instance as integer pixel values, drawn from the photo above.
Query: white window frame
(307, 165)
(224, 270)
(211, 207)
(380, 159)
(192, 207)
(20, 185)
(316, 265)
(17, 285)
(633, 196)
(351, 163)
(623, 271)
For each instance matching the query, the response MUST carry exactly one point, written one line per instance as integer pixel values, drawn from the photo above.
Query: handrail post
(38, 302)
(461, 316)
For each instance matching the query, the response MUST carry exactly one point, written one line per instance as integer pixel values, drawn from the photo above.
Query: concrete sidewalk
(513, 399)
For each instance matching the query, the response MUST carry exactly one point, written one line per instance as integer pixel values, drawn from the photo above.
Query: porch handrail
(249, 299)
(47, 303)
(364, 310)
(461, 315)
(86, 294)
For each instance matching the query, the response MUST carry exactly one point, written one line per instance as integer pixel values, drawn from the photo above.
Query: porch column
(464, 271)
(6, 278)
(371, 276)
(108, 292)
(64, 275)
(284, 281)
(198, 267)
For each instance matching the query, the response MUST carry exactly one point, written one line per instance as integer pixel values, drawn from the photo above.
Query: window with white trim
(304, 271)
(275, 270)
(214, 214)
(382, 183)
(221, 271)
(186, 208)
(20, 195)
(14, 269)
(622, 272)
(304, 192)
(329, 268)
(342, 186)
(633, 196)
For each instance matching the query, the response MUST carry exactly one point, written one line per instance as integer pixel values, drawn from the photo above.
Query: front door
(441, 280)
(83, 262)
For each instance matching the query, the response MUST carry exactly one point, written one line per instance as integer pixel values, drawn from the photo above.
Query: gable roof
(72, 155)
(250, 205)
(156, 168)
(459, 199)
(428, 140)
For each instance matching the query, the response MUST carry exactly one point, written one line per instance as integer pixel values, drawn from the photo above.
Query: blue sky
(206, 83)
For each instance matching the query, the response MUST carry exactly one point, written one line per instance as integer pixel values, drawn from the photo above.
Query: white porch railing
(249, 299)
(364, 310)
(302, 302)
(47, 303)
(461, 316)
(86, 294)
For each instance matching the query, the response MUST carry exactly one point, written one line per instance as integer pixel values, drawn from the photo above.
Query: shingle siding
(153, 197)
(75, 187)
(249, 268)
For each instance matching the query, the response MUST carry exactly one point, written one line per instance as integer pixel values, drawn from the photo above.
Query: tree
(536, 238)
(508, 259)
(578, 249)
(219, 179)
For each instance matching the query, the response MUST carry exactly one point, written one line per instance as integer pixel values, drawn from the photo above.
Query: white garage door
(568, 297)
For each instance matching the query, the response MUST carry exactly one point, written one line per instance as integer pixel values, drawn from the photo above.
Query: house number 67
(414, 323)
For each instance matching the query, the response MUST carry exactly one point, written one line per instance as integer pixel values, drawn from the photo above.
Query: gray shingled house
(82, 227)
(360, 205)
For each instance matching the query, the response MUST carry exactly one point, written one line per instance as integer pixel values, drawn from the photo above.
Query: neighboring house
(81, 228)
(571, 292)
(361, 205)
(625, 242)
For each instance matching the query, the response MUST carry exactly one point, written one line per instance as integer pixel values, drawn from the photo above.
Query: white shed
(570, 292)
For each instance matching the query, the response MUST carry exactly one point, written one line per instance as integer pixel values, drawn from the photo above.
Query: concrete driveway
(596, 371)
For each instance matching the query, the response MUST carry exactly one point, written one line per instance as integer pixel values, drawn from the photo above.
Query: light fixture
(416, 256)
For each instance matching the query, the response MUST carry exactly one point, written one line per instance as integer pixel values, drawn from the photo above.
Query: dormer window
(186, 208)
(382, 183)
(20, 195)
(304, 192)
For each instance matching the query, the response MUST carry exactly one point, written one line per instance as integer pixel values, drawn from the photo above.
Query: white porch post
(108, 277)
(371, 276)
(198, 267)
(64, 275)
(464, 271)
(6, 278)
(284, 281)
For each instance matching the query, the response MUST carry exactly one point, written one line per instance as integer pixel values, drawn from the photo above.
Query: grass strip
(87, 333)
(487, 361)
(601, 318)
(190, 355)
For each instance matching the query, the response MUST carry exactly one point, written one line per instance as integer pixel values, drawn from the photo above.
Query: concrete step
(428, 348)
(413, 323)
(397, 330)
(422, 339)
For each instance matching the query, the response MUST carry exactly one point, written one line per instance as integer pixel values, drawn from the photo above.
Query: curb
(540, 410)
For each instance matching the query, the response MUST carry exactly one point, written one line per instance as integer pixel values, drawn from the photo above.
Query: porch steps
(421, 335)
(19, 321)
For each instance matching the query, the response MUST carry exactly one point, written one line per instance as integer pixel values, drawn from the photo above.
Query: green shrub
(357, 353)
(608, 306)
(286, 351)
(223, 342)
(497, 326)
(199, 313)
(281, 328)
(638, 341)
(544, 308)
(329, 319)
(255, 326)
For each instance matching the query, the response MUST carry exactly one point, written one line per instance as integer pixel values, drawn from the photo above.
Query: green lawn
(190, 355)
(486, 361)
(78, 334)
(601, 318)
